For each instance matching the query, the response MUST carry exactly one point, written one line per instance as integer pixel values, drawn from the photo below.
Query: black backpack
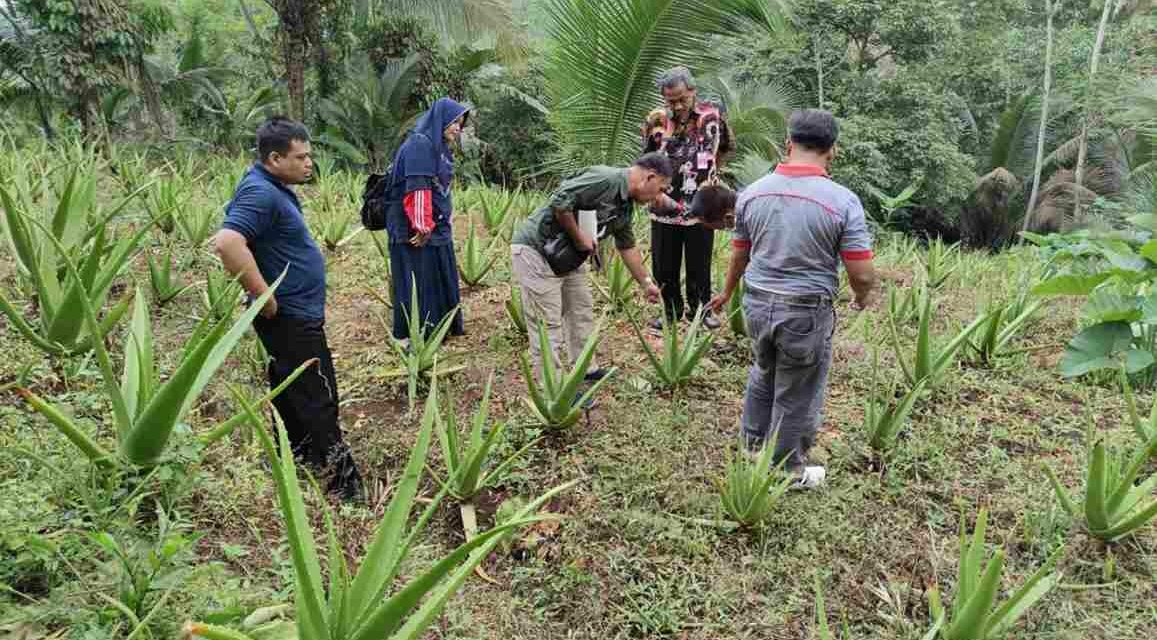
(376, 199)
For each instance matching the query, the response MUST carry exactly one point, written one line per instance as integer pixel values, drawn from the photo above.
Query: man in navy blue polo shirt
(264, 234)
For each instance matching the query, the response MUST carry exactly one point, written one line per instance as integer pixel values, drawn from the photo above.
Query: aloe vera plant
(165, 286)
(468, 468)
(145, 410)
(514, 309)
(552, 399)
(1000, 326)
(496, 206)
(753, 486)
(619, 282)
(364, 605)
(419, 355)
(40, 248)
(220, 294)
(477, 259)
(164, 201)
(940, 263)
(883, 415)
(680, 356)
(905, 307)
(196, 224)
(972, 616)
(1114, 502)
(336, 215)
(928, 364)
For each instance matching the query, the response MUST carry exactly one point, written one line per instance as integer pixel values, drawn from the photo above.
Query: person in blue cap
(421, 241)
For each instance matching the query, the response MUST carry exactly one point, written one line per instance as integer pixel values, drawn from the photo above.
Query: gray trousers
(786, 384)
(564, 304)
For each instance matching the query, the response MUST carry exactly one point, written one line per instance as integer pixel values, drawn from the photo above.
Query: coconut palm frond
(606, 56)
(756, 114)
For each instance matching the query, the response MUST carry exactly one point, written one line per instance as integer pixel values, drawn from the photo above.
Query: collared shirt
(797, 224)
(268, 214)
(693, 148)
(599, 189)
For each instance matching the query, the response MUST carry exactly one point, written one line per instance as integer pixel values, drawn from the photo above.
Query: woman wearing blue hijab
(421, 242)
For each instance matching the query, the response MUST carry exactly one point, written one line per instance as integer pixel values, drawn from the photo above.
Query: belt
(803, 300)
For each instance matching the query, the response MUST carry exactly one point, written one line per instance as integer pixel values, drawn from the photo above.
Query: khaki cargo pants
(564, 304)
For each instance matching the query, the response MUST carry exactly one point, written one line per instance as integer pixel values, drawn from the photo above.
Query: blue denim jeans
(786, 384)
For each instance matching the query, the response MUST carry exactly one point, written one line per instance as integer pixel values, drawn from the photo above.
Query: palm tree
(607, 53)
(369, 116)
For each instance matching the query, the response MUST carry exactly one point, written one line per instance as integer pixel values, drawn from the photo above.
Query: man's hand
(269, 311)
(652, 292)
(585, 243)
(420, 239)
(719, 301)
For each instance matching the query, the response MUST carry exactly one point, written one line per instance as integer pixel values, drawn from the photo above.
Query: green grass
(634, 556)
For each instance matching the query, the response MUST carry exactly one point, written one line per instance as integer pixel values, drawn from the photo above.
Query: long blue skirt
(435, 270)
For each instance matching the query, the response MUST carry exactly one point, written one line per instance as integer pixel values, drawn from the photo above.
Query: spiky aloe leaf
(384, 555)
(564, 397)
(1095, 513)
(227, 427)
(1063, 495)
(1029, 593)
(417, 623)
(96, 453)
(309, 592)
(970, 621)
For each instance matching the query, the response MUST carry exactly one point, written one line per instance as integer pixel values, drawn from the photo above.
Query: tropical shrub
(884, 416)
(553, 399)
(1114, 503)
(476, 261)
(363, 605)
(928, 363)
(1113, 271)
(618, 282)
(419, 354)
(145, 409)
(514, 310)
(166, 287)
(753, 486)
(972, 616)
(680, 356)
(43, 246)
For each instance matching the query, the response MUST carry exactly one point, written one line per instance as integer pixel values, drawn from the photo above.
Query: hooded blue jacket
(425, 162)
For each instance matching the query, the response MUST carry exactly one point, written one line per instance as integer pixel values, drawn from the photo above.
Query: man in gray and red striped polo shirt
(792, 229)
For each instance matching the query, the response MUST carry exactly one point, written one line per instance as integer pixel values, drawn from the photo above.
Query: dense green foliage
(133, 502)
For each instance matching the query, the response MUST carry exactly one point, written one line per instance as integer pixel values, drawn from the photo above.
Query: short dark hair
(277, 134)
(657, 162)
(813, 129)
(712, 202)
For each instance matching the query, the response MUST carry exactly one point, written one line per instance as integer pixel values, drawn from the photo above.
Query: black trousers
(670, 243)
(309, 406)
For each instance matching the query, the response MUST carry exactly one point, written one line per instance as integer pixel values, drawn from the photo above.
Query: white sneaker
(811, 478)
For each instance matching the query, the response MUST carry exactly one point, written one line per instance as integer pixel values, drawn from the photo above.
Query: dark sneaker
(596, 375)
(588, 405)
(711, 322)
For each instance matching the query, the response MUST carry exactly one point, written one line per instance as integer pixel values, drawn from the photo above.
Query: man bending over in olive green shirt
(550, 250)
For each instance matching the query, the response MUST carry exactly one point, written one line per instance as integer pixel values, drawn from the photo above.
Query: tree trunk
(1044, 117)
(292, 16)
(295, 78)
(819, 68)
(151, 95)
(1083, 147)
